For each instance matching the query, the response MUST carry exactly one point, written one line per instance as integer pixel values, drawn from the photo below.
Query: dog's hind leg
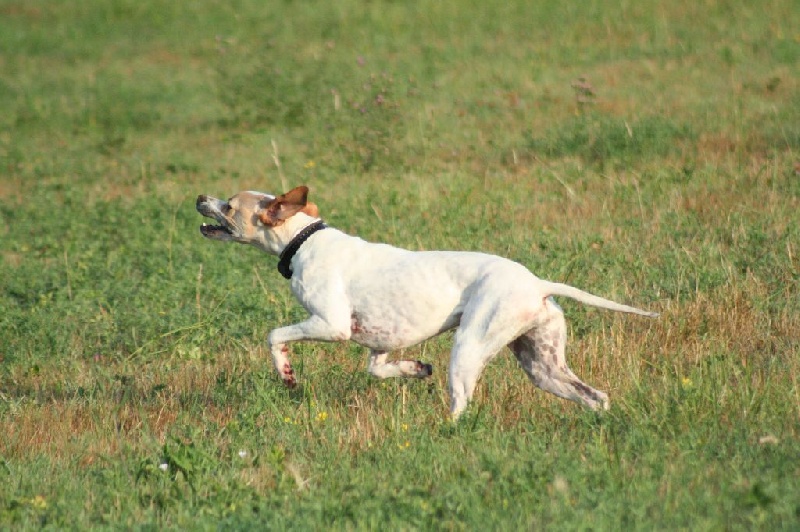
(485, 329)
(383, 369)
(540, 352)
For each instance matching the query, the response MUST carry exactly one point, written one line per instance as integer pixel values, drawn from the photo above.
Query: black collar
(284, 265)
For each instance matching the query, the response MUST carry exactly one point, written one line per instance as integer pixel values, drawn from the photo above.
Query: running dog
(386, 298)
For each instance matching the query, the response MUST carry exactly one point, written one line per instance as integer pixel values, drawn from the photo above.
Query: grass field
(645, 151)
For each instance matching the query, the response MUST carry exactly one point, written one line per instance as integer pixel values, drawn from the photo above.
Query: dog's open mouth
(214, 230)
(213, 208)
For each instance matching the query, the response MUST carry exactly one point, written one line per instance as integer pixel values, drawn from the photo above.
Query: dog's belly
(403, 299)
(390, 334)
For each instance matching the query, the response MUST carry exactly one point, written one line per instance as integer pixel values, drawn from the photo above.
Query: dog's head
(257, 218)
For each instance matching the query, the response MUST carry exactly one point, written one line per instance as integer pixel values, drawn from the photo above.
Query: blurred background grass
(645, 152)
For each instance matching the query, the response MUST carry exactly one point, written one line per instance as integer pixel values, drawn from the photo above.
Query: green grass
(646, 152)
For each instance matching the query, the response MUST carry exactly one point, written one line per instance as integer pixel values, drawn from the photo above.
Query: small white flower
(163, 466)
(768, 439)
(242, 453)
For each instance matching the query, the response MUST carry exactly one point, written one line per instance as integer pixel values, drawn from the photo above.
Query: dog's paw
(424, 370)
(287, 375)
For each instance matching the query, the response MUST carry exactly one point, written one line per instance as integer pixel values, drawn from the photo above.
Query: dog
(386, 298)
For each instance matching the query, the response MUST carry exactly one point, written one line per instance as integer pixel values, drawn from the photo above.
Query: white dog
(386, 298)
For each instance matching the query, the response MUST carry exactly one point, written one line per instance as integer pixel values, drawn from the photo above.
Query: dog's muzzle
(208, 207)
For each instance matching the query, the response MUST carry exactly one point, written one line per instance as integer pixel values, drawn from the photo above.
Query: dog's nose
(202, 198)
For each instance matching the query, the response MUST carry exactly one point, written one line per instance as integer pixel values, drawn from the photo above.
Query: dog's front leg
(314, 328)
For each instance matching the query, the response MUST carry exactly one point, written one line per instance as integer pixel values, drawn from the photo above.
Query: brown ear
(296, 196)
(284, 206)
(311, 209)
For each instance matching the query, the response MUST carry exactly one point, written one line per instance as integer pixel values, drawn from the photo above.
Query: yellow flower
(39, 502)
(322, 416)
(686, 382)
(404, 427)
(287, 419)
(310, 164)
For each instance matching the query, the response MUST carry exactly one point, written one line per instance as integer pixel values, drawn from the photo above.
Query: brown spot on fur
(355, 325)
(585, 390)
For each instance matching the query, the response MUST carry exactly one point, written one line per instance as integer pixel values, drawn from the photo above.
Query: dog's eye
(226, 209)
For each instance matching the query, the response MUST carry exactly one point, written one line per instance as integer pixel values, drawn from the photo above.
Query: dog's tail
(559, 289)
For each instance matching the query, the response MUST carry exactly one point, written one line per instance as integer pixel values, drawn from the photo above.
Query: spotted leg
(314, 328)
(540, 352)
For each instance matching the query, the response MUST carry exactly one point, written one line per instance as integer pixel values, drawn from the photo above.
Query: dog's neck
(275, 239)
(285, 264)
